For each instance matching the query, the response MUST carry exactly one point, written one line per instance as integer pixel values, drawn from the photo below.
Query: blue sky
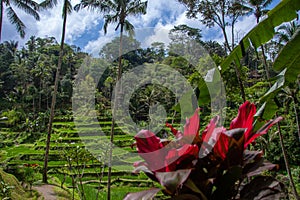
(84, 28)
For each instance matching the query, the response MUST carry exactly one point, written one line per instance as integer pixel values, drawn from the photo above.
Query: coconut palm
(259, 8)
(28, 6)
(117, 12)
(120, 10)
(67, 9)
(12, 46)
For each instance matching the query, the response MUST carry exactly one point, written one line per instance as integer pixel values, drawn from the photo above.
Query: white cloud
(77, 22)
(160, 18)
(158, 13)
(93, 47)
(160, 34)
(166, 11)
(50, 24)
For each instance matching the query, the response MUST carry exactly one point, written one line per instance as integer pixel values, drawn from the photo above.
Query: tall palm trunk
(116, 101)
(296, 103)
(1, 17)
(287, 165)
(58, 69)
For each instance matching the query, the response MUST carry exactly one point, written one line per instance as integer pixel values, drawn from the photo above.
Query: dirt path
(46, 191)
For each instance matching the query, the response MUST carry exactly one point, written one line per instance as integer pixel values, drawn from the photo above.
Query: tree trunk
(116, 101)
(288, 169)
(296, 103)
(1, 17)
(226, 39)
(238, 75)
(232, 35)
(58, 69)
(237, 71)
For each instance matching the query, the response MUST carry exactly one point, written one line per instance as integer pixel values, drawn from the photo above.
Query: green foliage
(289, 58)
(285, 11)
(110, 51)
(14, 117)
(5, 190)
(12, 187)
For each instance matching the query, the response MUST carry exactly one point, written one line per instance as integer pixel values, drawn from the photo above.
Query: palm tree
(259, 8)
(29, 6)
(67, 9)
(11, 46)
(120, 10)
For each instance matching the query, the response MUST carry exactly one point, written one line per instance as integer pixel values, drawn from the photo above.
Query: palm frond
(129, 28)
(14, 19)
(34, 5)
(101, 6)
(267, 3)
(112, 5)
(137, 7)
(48, 4)
(27, 8)
(108, 20)
(67, 8)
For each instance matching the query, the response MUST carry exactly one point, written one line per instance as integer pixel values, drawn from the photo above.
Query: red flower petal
(181, 156)
(263, 130)
(210, 136)
(222, 145)
(207, 133)
(245, 116)
(191, 128)
(151, 150)
(245, 119)
(146, 141)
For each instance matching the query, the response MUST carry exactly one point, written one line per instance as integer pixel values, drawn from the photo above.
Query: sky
(84, 28)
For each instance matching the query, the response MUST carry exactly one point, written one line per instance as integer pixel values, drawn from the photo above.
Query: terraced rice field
(66, 140)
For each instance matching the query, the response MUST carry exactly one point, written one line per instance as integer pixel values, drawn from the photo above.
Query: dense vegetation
(262, 68)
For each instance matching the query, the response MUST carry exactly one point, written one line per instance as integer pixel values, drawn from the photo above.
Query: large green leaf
(285, 11)
(271, 93)
(289, 58)
(265, 112)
